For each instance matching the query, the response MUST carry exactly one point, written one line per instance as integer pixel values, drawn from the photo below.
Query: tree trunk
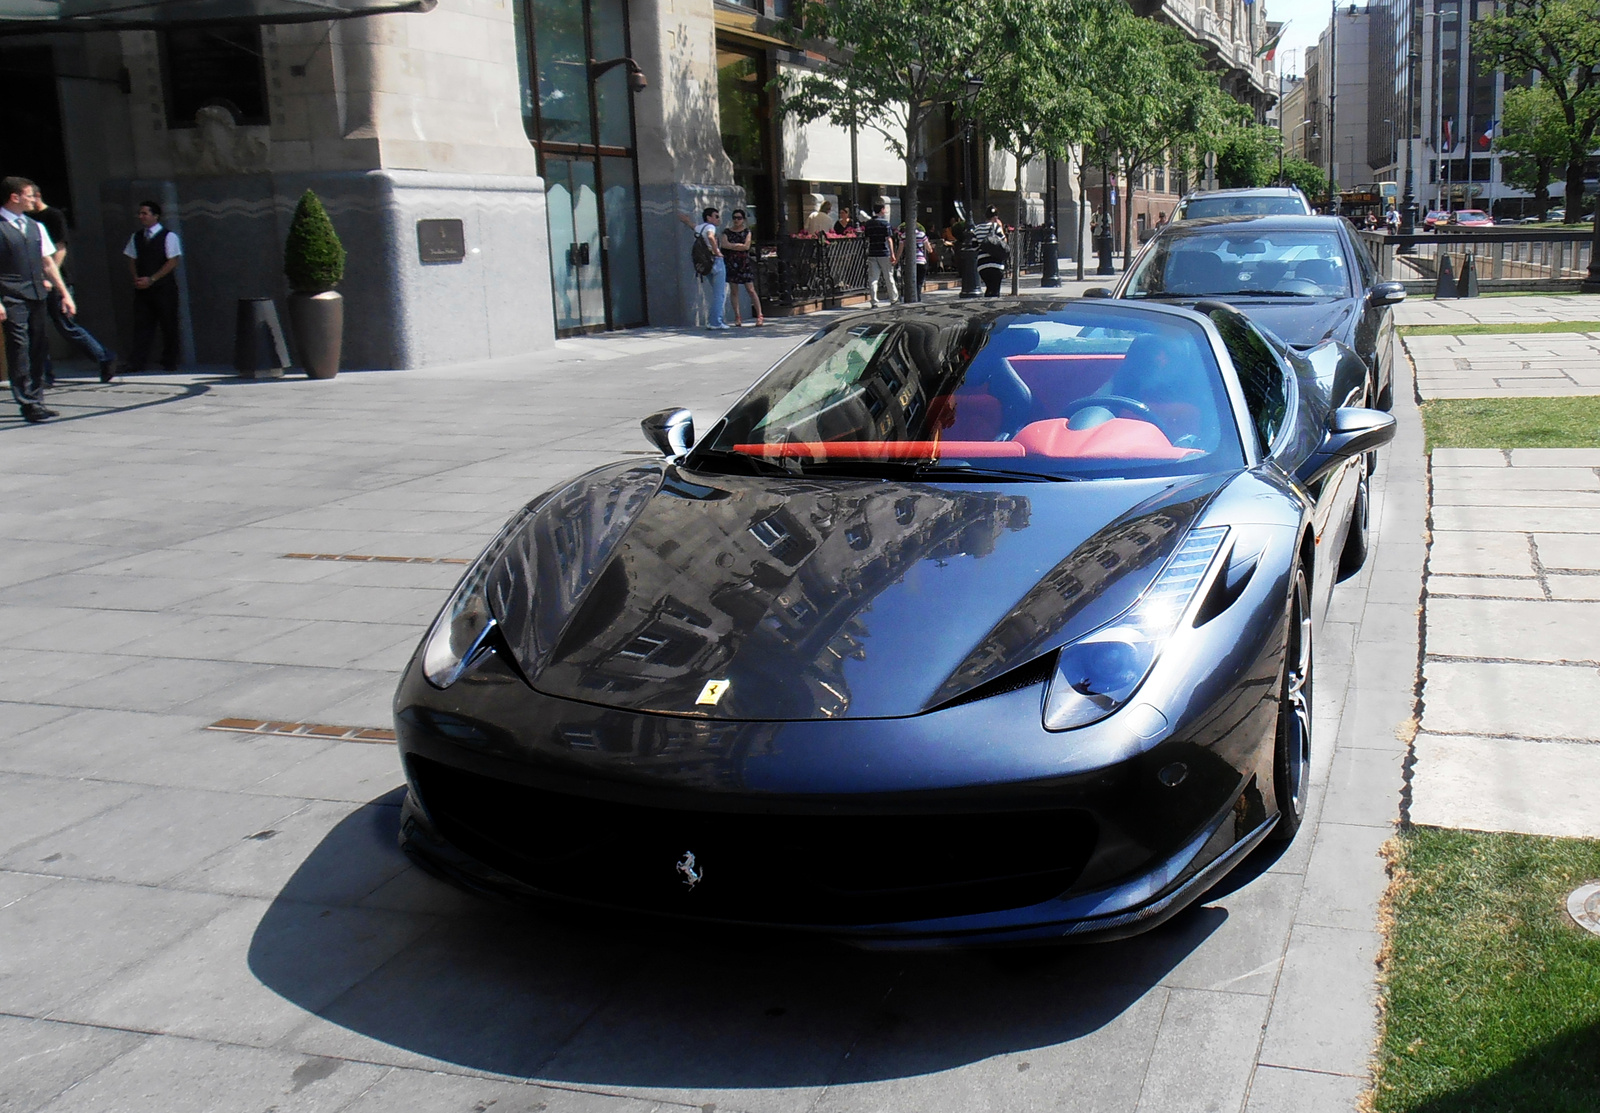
(908, 243)
(1541, 196)
(1574, 197)
(1083, 203)
(1016, 213)
(1127, 218)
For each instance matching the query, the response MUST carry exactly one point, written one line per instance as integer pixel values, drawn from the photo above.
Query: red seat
(1121, 438)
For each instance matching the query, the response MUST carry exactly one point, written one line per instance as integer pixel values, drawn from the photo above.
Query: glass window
(1079, 392)
(1246, 205)
(608, 23)
(1235, 260)
(562, 62)
(622, 242)
(1261, 375)
(214, 66)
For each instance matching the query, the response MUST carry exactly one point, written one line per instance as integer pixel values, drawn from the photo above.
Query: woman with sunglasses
(738, 249)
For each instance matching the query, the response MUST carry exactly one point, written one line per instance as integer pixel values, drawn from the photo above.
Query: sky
(1306, 20)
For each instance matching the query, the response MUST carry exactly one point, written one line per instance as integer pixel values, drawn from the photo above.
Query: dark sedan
(1304, 278)
(970, 623)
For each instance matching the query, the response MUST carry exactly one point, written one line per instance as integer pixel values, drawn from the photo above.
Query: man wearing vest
(28, 274)
(153, 254)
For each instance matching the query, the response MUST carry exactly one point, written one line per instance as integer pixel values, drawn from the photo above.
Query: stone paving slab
(213, 921)
(1506, 365)
(1498, 310)
(1509, 736)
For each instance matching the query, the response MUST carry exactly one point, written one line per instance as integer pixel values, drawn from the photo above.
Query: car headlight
(459, 637)
(1099, 672)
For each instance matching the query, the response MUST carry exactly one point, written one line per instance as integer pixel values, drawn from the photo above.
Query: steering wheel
(1138, 407)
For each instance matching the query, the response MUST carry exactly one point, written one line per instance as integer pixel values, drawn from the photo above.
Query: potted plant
(313, 261)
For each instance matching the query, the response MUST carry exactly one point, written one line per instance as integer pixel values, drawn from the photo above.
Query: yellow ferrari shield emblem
(712, 692)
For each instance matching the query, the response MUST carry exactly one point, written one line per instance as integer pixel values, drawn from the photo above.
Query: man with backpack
(709, 265)
(993, 252)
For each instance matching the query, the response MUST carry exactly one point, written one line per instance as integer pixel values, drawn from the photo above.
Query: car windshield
(1239, 261)
(1197, 207)
(1084, 391)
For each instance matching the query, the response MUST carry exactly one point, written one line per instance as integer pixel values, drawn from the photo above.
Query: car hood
(727, 597)
(1303, 322)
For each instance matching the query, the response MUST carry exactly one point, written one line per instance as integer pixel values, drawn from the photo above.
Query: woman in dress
(737, 249)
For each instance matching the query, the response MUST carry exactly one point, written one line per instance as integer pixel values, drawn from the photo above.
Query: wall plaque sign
(441, 241)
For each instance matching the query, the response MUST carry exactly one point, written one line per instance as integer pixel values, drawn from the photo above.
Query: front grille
(837, 868)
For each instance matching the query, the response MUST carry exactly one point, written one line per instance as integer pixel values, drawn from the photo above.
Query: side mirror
(1097, 292)
(1388, 293)
(1352, 432)
(670, 431)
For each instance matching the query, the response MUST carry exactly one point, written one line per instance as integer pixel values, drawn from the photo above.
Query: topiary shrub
(313, 257)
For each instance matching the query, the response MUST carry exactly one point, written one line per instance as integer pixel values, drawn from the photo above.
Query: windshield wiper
(924, 470)
(1270, 294)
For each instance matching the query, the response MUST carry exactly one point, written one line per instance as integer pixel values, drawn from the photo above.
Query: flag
(1270, 47)
(1449, 135)
(1488, 135)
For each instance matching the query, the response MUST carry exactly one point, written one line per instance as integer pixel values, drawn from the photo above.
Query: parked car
(1304, 278)
(1471, 218)
(1434, 218)
(1242, 202)
(978, 622)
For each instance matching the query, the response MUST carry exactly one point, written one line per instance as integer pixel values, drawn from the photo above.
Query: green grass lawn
(1485, 330)
(1491, 992)
(1512, 422)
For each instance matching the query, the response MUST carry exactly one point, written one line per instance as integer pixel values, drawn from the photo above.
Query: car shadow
(376, 947)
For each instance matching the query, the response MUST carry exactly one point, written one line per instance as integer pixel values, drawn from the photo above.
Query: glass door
(576, 273)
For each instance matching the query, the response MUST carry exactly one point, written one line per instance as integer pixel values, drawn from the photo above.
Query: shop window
(219, 66)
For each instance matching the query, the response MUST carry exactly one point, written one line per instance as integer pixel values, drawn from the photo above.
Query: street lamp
(636, 79)
(1104, 239)
(1408, 203)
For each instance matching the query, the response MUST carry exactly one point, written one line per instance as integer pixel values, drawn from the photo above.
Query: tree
(1560, 41)
(313, 257)
(893, 64)
(1309, 178)
(1533, 131)
(1037, 101)
(1247, 156)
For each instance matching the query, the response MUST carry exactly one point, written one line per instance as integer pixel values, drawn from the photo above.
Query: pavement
(208, 920)
(1508, 738)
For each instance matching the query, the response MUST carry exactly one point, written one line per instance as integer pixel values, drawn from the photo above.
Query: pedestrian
(1161, 221)
(821, 221)
(55, 225)
(27, 275)
(881, 256)
(709, 264)
(922, 248)
(993, 252)
(1392, 219)
(846, 224)
(738, 253)
(153, 253)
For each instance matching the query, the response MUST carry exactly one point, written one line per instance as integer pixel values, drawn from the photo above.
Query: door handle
(578, 255)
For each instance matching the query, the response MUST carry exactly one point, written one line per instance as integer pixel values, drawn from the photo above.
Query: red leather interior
(884, 450)
(1121, 438)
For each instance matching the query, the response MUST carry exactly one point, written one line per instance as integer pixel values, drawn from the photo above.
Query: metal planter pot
(318, 324)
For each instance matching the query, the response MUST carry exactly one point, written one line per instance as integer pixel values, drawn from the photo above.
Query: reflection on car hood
(819, 598)
(1303, 321)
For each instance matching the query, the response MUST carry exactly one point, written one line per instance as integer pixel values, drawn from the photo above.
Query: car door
(1289, 424)
(1374, 332)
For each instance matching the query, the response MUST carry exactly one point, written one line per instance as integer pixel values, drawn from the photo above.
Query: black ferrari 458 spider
(975, 623)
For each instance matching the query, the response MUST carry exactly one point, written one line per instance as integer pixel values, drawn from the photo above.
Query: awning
(39, 17)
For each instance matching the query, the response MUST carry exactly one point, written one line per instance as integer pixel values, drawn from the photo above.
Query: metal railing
(803, 270)
(1511, 259)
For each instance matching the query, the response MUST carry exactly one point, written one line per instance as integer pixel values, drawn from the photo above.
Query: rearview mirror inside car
(670, 431)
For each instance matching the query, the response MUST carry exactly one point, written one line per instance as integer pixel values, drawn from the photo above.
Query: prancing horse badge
(692, 873)
(712, 692)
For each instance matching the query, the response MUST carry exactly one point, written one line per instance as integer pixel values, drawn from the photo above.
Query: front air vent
(1036, 671)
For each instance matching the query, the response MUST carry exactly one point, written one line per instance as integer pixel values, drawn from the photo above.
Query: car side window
(1261, 374)
(1369, 276)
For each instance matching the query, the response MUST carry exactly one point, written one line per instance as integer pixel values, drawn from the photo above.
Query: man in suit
(153, 254)
(55, 226)
(28, 275)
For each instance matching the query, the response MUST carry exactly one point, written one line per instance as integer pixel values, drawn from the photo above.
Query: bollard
(1445, 286)
(258, 348)
(1467, 284)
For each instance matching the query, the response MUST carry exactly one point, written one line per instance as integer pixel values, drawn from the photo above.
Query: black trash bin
(258, 348)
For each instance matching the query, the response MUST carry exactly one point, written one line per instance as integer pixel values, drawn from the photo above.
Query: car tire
(1291, 757)
(1357, 539)
(1386, 398)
